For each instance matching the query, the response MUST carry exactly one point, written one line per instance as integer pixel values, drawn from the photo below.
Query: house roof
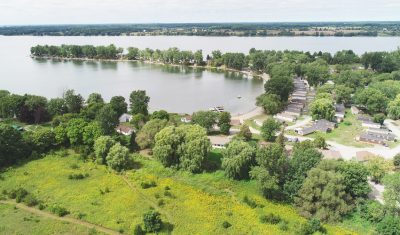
(124, 128)
(331, 154)
(340, 108)
(219, 140)
(235, 122)
(363, 156)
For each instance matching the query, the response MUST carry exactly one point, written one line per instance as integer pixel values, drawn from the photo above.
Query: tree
(280, 86)
(238, 158)
(12, 146)
(390, 225)
(75, 128)
(152, 221)
(162, 114)
(118, 157)
(316, 72)
(119, 105)
(343, 94)
(61, 135)
(101, 148)
(378, 167)
(322, 109)
(270, 103)
(355, 177)
(198, 57)
(391, 195)
(108, 119)
(139, 102)
(57, 106)
(145, 137)
(323, 195)
(91, 133)
(10, 105)
(43, 140)
(245, 133)
(184, 147)
(304, 158)
(34, 109)
(224, 122)
(205, 119)
(373, 100)
(95, 98)
(138, 121)
(396, 160)
(319, 142)
(269, 128)
(74, 102)
(379, 118)
(270, 172)
(133, 146)
(393, 108)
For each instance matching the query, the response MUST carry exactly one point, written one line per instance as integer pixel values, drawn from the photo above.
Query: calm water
(171, 88)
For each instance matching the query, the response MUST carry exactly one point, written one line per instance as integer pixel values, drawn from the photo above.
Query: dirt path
(55, 217)
(146, 199)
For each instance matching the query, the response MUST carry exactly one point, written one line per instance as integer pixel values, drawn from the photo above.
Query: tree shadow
(212, 162)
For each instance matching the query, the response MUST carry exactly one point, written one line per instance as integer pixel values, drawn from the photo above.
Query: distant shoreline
(265, 77)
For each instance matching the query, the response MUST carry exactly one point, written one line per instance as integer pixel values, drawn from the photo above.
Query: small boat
(239, 97)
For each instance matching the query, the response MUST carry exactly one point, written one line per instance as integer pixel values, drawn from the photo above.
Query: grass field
(17, 221)
(189, 204)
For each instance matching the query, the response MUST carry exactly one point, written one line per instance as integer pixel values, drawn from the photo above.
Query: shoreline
(265, 77)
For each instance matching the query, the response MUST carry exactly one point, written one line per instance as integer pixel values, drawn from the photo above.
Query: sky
(28, 12)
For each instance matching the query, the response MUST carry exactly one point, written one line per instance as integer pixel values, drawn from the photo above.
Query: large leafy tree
(343, 94)
(152, 221)
(323, 195)
(118, 157)
(224, 122)
(139, 102)
(184, 147)
(271, 103)
(372, 99)
(238, 158)
(269, 128)
(101, 148)
(91, 132)
(73, 101)
(355, 177)
(322, 109)
(57, 106)
(316, 72)
(12, 146)
(270, 173)
(281, 86)
(108, 119)
(146, 135)
(43, 139)
(205, 119)
(75, 129)
(391, 194)
(393, 108)
(119, 105)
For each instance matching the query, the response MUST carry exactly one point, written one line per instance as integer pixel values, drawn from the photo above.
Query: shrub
(390, 225)
(311, 227)
(30, 200)
(18, 194)
(226, 224)
(168, 194)
(396, 160)
(284, 225)
(270, 219)
(161, 202)
(152, 221)
(146, 185)
(138, 230)
(249, 202)
(347, 123)
(58, 210)
(79, 176)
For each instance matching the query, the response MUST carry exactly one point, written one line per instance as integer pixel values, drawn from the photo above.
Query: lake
(176, 89)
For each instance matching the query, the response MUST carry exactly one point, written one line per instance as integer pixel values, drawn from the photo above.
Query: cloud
(146, 11)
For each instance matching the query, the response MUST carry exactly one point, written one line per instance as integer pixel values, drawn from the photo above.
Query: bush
(347, 123)
(58, 210)
(226, 224)
(270, 219)
(161, 202)
(390, 225)
(311, 227)
(138, 230)
(396, 160)
(152, 221)
(30, 200)
(18, 194)
(249, 202)
(79, 176)
(284, 225)
(146, 185)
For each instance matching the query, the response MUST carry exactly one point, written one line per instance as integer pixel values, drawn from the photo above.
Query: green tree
(319, 142)
(322, 109)
(75, 128)
(355, 177)
(393, 108)
(391, 195)
(269, 128)
(101, 148)
(245, 133)
(238, 158)
(12, 146)
(61, 136)
(316, 72)
(343, 94)
(138, 121)
(118, 157)
(396, 160)
(162, 114)
(270, 103)
(57, 106)
(224, 122)
(43, 140)
(139, 102)
(146, 135)
(205, 119)
(378, 167)
(152, 221)
(184, 147)
(390, 225)
(119, 105)
(73, 101)
(323, 195)
(280, 86)
(95, 98)
(108, 119)
(91, 133)
(373, 100)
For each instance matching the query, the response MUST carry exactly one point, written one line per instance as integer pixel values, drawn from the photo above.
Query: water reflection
(111, 65)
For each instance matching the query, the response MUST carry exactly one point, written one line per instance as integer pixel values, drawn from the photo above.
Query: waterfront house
(219, 142)
(284, 117)
(124, 130)
(320, 125)
(125, 118)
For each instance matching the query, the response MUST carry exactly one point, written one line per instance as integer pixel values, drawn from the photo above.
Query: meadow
(188, 203)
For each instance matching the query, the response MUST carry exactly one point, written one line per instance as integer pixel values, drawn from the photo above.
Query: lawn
(17, 221)
(190, 204)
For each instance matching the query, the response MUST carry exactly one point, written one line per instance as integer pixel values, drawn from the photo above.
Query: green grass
(192, 203)
(17, 221)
